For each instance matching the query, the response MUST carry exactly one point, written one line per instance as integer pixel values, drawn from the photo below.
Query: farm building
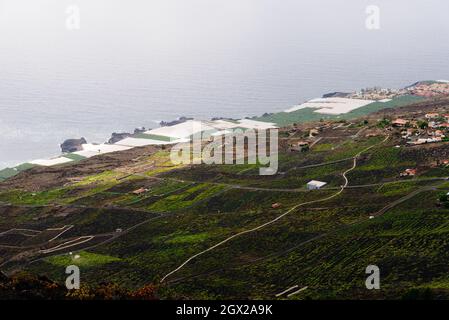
(313, 132)
(399, 123)
(299, 146)
(140, 191)
(315, 185)
(432, 115)
(409, 173)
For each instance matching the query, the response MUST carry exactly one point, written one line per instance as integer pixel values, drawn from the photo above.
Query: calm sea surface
(134, 63)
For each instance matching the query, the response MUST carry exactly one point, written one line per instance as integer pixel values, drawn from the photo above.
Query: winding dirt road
(278, 217)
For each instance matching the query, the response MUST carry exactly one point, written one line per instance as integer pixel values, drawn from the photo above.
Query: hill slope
(324, 239)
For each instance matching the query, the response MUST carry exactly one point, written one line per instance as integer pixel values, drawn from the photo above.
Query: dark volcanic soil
(419, 108)
(49, 177)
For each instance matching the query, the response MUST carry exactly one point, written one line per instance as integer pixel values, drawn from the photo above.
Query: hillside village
(412, 128)
(427, 89)
(432, 128)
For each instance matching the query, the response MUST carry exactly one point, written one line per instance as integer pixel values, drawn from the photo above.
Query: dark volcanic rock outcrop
(116, 137)
(223, 118)
(336, 95)
(172, 123)
(139, 130)
(73, 145)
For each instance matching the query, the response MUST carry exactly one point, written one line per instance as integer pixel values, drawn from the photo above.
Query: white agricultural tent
(253, 124)
(51, 162)
(90, 149)
(140, 142)
(221, 133)
(182, 130)
(178, 133)
(333, 106)
(223, 124)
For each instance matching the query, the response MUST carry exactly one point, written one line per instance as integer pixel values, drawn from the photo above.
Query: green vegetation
(74, 157)
(185, 198)
(11, 172)
(378, 106)
(423, 124)
(383, 123)
(188, 238)
(148, 216)
(32, 198)
(298, 116)
(7, 173)
(24, 166)
(105, 176)
(350, 148)
(323, 147)
(397, 188)
(153, 137)
(82, 259)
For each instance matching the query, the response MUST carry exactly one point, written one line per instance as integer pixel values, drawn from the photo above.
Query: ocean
(87, 68)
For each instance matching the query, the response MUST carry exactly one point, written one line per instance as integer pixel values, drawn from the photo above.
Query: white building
(314, 185)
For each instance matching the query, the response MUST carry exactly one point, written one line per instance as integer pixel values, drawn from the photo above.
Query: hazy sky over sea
(134, 62)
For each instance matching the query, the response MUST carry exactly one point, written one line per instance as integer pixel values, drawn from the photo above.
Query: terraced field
(134, 223)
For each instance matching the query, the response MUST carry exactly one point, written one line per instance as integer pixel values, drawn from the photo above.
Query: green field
(11, 172)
